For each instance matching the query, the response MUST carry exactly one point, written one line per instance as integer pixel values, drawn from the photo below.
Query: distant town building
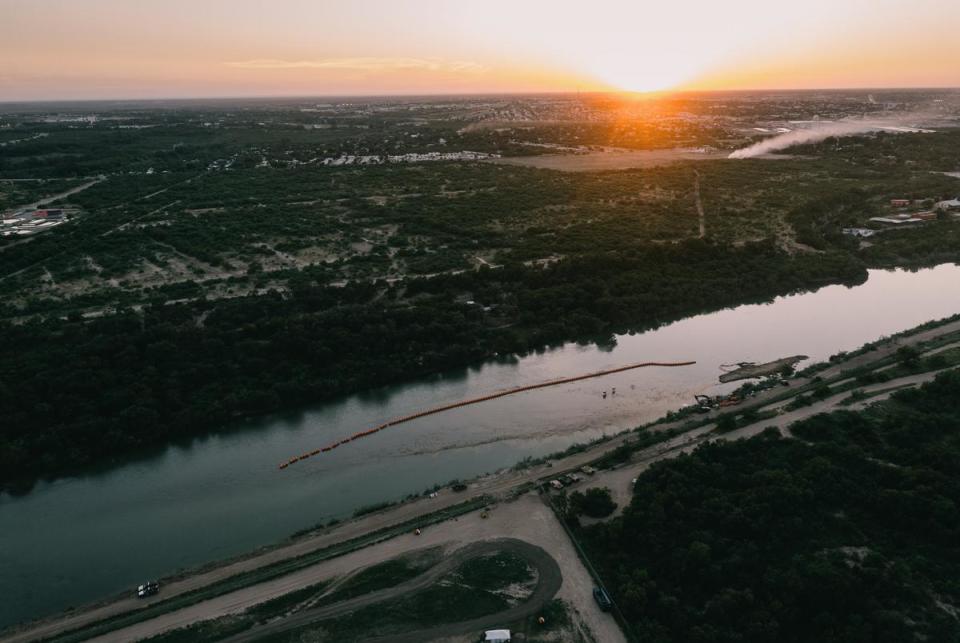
(899, 203)
(859, 232)
(951, 204)
(48, 214)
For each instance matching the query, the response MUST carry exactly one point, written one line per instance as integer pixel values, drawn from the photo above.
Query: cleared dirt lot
(526, 519)
(596, 161)
(621, 159)
(548, 582)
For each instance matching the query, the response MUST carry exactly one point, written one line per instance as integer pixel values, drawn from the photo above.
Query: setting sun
(642, 73)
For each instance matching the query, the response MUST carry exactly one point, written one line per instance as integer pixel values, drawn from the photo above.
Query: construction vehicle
(704, 402)
(731, 400)
(707, 403)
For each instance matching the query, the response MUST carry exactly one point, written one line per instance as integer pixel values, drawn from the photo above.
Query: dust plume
(824, 131)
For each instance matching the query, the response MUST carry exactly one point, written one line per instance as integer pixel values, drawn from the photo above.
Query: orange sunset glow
(113, 48)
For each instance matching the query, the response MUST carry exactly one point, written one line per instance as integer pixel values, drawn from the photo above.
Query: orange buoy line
(475, 400)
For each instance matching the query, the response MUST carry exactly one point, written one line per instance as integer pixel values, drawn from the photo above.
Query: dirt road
(785, 419)
(62, 195)
(699, 202)
(549, 579)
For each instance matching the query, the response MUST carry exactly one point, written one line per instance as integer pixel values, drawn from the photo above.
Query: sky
(98, 49)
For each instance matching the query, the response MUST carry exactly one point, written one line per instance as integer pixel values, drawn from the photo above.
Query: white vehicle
(556, 484)
(496, 636)
(148, 589)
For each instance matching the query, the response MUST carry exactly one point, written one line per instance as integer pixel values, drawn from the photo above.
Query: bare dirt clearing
(548, 582)
(620, 159)
(527, 519)
(597, 161)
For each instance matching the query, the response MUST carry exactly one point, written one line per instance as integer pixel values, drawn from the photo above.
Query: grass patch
(383, 575)
(860, 395)
(643, 439)
(468, 592)
(556, 621)
(445, 604)
(369, 509)
(235, 623)
(205, 630)
(283, 604)
(494, 572)
(437, 605)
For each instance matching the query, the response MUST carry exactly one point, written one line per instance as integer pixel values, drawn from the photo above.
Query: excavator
(705, 402)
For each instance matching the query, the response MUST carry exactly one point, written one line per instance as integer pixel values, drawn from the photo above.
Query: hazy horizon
(60, 50)
(470, 95)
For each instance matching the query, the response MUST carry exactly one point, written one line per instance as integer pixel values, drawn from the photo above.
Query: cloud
(364, 64)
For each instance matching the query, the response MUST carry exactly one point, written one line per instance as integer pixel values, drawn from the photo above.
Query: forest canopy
(849, 532)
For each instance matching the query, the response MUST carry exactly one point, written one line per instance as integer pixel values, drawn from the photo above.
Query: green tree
(726, 423)
(595, 502)
(908, 356)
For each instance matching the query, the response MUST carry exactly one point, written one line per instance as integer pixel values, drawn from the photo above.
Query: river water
(75, 540)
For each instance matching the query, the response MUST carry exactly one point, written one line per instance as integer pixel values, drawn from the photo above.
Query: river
(79, 539)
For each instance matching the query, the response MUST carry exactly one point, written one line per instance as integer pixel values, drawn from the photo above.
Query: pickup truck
(602, 599)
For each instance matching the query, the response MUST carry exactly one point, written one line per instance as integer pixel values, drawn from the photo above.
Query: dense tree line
(593, 503)
(73, 392)
(850, 533)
